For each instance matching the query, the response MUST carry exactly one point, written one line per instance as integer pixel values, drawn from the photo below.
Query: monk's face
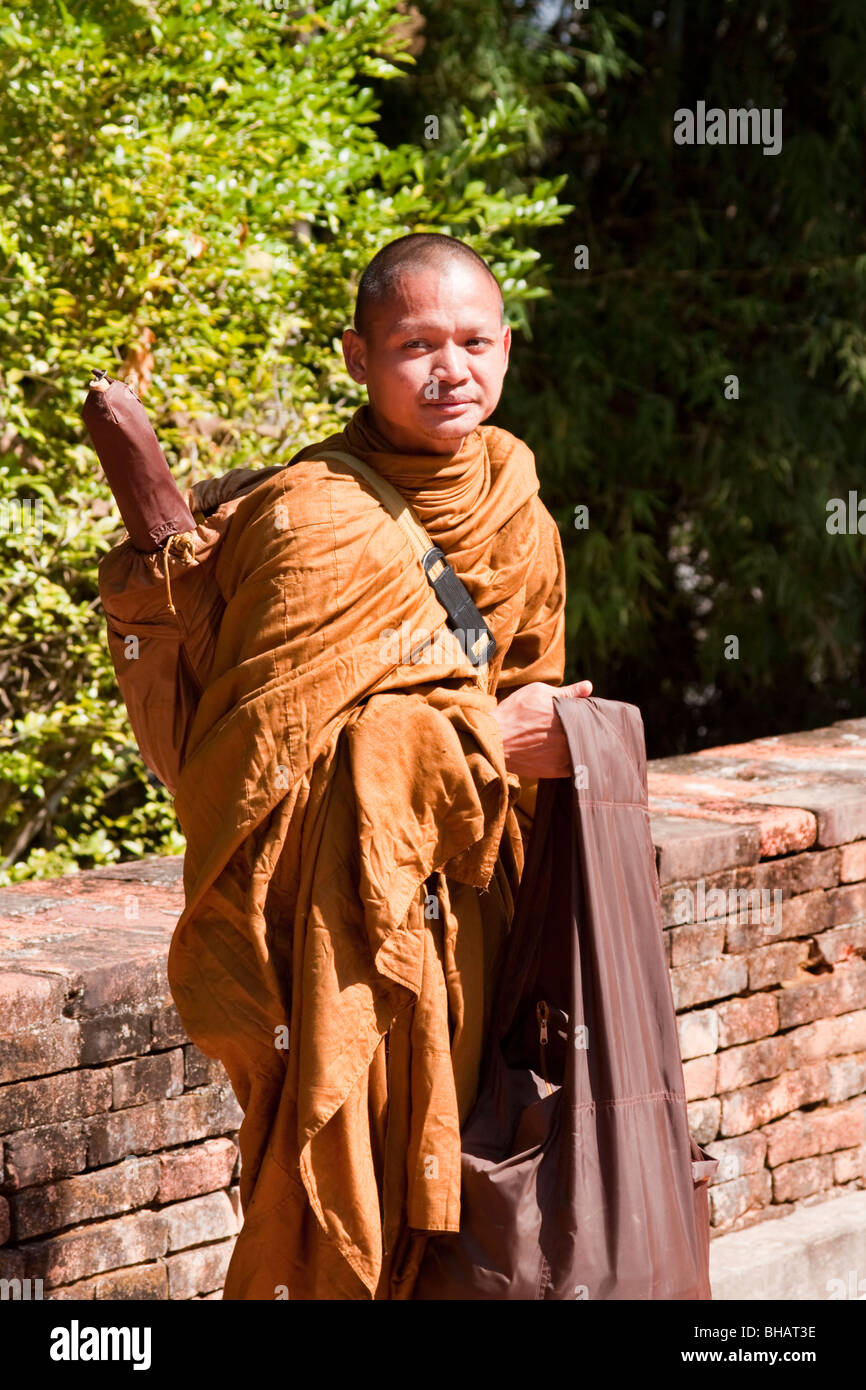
(434, 357)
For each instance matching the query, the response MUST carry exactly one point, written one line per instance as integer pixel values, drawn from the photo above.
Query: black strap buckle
(464, 619)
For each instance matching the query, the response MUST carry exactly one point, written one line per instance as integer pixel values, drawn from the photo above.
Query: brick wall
(762, 866)
(118, 1152)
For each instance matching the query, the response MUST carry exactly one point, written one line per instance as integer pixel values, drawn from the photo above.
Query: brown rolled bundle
(149, 500)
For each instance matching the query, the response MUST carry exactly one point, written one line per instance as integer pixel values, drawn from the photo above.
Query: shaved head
(416, 252)
(430, 342)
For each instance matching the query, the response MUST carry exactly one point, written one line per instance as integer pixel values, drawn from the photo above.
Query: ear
(506, 347)
(354, 355)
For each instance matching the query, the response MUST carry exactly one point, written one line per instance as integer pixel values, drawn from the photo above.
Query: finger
(576, 690)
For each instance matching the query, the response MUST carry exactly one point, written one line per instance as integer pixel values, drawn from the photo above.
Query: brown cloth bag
(579, 1177)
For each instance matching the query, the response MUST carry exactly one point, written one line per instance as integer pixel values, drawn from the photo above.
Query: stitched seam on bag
(632, 805)
(626, 750)
(631, 1100)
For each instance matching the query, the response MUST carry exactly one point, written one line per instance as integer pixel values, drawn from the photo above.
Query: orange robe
(352, 848)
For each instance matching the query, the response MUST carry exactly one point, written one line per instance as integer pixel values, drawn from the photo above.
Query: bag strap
(464, 619)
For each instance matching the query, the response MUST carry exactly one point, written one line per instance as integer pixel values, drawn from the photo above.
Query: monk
(347, 778)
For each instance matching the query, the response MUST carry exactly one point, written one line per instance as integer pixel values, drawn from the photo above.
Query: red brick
(11, 1264)
(798, 874)
(756, 1105)
(756, 1217)
(140, 1282)
(29, 1003)
(847, 1077)
(106, 1192)
(41, 1155)
(200, 1070)
(805, 915)
(840, 809)
(689, 848)
(137, 1131)
(743, 1066)
(5, 1225)
(198, 1271)
(847, 904)
(199, 1221)
(737, 1157)
(698, 1033)
(114, 1035)
(792, 917)
(843, 942)
(827, 1037)
(825, 996)
(166, 1028)
(162, 1124)
(696, 942)
(83, 1289)
(26, 1104)
(89, 1250)
(852, 863)
(743, 1020)
(703, 1118)
(849, 1164)
(712, 979)
(30, 1054)
(147, 1078)
(814, 1132)
(779, 964)
(114, 979)
(148, 1281)
(801, 1178)
(680, 902)
(204, 1167)
(700, 1077)
(728, 1200)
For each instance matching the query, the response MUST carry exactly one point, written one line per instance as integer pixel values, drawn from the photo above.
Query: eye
(416, 343)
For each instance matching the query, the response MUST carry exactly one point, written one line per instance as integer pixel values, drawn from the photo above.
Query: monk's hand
(532, 733)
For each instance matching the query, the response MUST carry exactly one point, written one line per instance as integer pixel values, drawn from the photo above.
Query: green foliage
(707, 515)
(203, 182)
(217, 175)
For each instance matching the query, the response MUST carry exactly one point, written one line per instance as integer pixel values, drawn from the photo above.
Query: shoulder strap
(464, 619)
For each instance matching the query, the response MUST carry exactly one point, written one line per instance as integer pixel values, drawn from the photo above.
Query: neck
(459, 476)
(404, 442)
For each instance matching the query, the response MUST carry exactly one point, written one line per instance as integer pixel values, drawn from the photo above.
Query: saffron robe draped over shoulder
(352, 850)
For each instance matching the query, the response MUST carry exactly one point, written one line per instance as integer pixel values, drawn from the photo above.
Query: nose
(449, 365)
